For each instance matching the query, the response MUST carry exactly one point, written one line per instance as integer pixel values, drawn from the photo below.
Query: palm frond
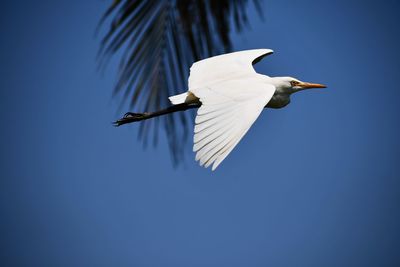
(160, 39)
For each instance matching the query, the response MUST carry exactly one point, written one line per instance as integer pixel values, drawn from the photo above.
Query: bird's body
(280, 99)
(230, 96)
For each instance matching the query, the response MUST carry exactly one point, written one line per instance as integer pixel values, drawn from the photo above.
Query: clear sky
(314, 184)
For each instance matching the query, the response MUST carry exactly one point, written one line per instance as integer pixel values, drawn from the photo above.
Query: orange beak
(311, 85)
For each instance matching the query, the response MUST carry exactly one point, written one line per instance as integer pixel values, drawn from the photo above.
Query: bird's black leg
(133, 117)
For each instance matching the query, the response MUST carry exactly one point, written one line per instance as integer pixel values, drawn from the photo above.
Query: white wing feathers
(227, 112)
(228, 66)
(232, 96)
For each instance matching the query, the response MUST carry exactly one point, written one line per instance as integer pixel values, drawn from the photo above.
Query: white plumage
(232, 97)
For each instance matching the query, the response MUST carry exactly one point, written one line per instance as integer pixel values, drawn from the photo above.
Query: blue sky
(314, 184)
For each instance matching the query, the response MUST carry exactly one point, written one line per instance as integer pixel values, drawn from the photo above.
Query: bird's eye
(294, 83)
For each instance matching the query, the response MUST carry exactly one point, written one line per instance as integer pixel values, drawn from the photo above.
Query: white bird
(230, 95)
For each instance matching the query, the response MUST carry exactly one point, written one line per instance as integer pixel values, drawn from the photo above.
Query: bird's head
(293, 85)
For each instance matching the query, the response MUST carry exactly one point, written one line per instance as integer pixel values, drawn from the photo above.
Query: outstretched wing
(227, 112)
(228, 66)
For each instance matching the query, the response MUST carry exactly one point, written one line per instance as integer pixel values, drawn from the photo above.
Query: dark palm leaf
(160, 39)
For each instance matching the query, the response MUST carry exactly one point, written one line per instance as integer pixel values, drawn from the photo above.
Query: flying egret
(229, 95)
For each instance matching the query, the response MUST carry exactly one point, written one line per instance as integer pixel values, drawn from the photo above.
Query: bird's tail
(178, 99)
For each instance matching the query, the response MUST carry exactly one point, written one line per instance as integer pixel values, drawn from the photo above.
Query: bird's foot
(130, 117)
(130, 114)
